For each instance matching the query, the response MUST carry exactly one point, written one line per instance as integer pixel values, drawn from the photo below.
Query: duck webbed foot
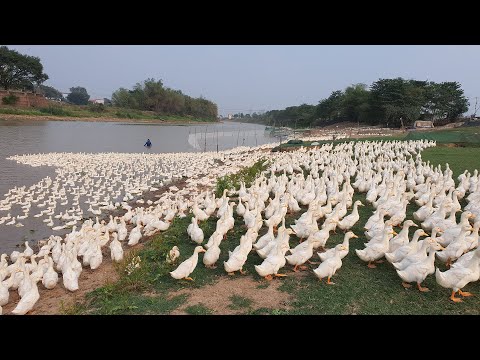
(422, 289)
(465, 293)
(330, 282)
(454, 299)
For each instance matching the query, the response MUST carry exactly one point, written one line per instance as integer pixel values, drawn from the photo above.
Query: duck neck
(355, 209)
(415, 238)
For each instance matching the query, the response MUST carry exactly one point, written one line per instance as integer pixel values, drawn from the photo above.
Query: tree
(19, 71)
(78, 96)
(355, 102)
(447, 101)
(330, 108)
(151, 95)
(50, 92)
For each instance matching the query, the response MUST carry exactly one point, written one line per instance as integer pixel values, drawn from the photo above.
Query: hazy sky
(243, 78)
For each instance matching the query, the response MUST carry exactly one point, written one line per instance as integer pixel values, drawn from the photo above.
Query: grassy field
(357, 290)
(463, 137)
(458, 158)
(89, 111)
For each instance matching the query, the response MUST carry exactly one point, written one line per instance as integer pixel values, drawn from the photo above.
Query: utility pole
(206, 139)
(476, 107)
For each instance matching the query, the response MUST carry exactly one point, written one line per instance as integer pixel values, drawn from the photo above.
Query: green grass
(247, 175)
(239, 302)
(458, 158)
(198, 309)
(463, 135)
(107, 112)
(360, 290)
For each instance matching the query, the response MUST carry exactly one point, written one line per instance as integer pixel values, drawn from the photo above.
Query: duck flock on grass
(391, 174)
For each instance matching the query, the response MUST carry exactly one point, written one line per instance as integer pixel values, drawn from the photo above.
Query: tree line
(24, 72)
(153, 96)
(388, 102)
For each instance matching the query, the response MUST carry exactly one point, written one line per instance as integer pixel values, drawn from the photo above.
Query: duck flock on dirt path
(391, 174)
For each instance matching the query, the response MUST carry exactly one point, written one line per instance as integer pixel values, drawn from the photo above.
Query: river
(34, 137)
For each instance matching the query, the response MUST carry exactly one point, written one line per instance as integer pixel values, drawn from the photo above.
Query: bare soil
(216, 297)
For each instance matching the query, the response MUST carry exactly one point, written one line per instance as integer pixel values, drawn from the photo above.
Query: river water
(77, 136)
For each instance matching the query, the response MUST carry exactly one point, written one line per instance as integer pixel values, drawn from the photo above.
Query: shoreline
(30, 118)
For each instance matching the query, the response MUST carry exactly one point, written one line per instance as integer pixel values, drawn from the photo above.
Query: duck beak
(415, 225)
(355, 236)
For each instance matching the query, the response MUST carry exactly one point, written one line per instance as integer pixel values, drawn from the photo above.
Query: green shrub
(55, 110)
(11, 99)
(98, 108)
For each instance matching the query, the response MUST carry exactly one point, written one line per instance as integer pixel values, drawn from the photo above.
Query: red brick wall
(26, 99)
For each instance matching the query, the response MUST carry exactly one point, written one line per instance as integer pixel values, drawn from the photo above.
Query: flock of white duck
(392, 174)
(98, 180)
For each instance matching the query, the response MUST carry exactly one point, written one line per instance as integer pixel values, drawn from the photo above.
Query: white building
(98, 101)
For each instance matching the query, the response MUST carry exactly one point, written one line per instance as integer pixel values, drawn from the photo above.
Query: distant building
(423, 124)
(98, 101)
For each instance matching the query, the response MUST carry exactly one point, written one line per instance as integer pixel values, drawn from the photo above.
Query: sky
(254, 78)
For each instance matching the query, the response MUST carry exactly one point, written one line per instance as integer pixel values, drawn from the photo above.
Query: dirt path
(216, 297)
(51, 301)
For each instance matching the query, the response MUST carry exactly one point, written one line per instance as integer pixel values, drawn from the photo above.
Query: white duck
(199, 213)
(460, 275)
(375, 251)
(29, 298)
(453, 232)
(50, 278)
(346, 242)
(122, 230)
(211, 256)
(457, 247)
(350, 220)
(402, 237)
(135, 235)
(329, 267)
(299, 257)
(418, 255)
(265, 239)
(186, 267)
(273, 262)
(196, 233)
(404, 250)
(116, 251)
(419, 270)
(238, 256)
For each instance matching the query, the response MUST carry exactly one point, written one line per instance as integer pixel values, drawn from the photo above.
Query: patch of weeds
(73, 308)
(198, 309)
(279, 312)
(239, 302)
(247, 175)
(263, 286)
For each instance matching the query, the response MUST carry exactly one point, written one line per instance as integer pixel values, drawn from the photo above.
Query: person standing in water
(148, 143)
